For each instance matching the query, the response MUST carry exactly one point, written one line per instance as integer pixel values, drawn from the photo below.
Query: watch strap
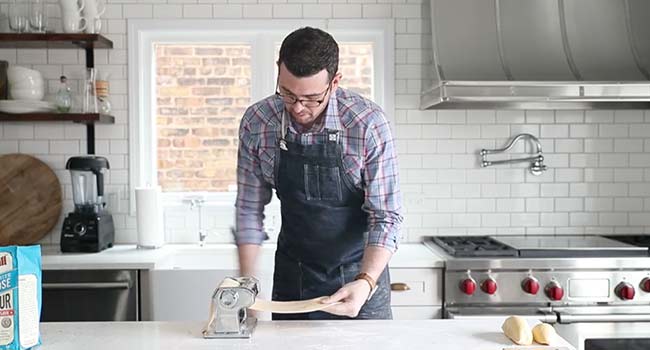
(371, 282)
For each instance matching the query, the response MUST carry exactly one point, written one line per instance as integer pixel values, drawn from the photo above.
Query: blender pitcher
(87, 182)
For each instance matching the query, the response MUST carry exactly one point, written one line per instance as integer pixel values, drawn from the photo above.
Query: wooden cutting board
(30, 199)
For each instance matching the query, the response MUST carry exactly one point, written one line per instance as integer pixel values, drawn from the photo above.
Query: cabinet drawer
(416, 312)
(424, 287)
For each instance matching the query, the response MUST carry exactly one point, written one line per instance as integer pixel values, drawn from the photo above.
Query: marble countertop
(286, 335)
(117, 257)
(411, 255)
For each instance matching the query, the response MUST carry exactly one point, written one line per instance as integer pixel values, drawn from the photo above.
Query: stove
(543, 246)
(473, 246)
(557, 279)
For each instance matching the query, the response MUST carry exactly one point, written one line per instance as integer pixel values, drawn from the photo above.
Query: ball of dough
(544, 333)
(517, 329)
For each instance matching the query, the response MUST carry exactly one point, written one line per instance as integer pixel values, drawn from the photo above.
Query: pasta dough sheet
(291, 307)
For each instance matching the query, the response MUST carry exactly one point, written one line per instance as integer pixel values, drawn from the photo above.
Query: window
(191, 85)
(202, 90)
(356, 64)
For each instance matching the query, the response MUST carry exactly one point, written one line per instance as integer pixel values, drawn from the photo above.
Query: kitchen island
(286, 335)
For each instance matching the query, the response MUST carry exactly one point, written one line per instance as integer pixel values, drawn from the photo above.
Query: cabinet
(422, 297)
(87, 42)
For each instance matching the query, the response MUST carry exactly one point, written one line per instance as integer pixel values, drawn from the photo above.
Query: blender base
(87, 232)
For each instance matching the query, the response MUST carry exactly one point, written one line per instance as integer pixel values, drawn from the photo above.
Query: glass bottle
(89, 98)
(63, 96)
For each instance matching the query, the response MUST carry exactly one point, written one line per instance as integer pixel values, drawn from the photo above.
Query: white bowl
(27, 94)
(18, 73)
(26, 84)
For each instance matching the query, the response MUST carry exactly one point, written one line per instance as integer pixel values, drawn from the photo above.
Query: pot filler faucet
(536, 161)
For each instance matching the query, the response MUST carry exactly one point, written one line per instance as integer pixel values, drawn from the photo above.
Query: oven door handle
(87, 285)
(587, 318)
(543, 317)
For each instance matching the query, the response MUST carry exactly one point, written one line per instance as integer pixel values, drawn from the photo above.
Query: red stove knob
(468, 286)
(645, 285)
(624, 291)
(489, 286)
(554, 291)
(530, 285)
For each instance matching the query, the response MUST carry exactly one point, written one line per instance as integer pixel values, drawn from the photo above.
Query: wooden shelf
(87, 42)
(54, 41)
(85, 118)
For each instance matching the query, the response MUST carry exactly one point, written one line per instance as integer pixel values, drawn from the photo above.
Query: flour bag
(20, 296)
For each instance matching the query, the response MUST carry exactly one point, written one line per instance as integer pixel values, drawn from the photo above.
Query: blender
(89, 228)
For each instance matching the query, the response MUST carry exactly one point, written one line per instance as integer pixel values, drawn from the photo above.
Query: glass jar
(102, 96)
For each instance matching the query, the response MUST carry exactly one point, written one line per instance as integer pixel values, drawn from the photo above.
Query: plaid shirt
(369, 158)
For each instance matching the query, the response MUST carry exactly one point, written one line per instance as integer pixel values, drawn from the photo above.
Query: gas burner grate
(473, 246)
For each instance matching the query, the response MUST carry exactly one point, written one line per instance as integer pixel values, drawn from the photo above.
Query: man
(329, 154)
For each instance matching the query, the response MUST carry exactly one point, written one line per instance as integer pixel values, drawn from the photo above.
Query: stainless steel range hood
(540, 54)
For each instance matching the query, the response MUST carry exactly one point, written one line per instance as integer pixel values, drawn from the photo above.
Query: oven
(543, 314)
(606, 335)
(605, 327)
(90, 295)
(586, 328)
(595, 292)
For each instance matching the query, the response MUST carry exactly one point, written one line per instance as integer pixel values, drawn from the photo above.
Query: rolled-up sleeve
(383, 200)
(253, 193)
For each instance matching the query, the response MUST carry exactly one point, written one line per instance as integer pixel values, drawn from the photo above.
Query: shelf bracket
(90, 127)
(90, 138)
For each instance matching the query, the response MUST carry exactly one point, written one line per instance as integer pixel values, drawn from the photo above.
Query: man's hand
(351, 296)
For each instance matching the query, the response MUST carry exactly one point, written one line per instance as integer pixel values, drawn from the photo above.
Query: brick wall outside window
(202, 92)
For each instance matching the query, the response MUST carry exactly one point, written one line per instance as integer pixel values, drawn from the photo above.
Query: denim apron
(322, 238)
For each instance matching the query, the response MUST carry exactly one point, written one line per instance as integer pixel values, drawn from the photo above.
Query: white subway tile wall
(598, 179)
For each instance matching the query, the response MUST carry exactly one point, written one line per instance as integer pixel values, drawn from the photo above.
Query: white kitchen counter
(129, 257)
(416, 255)
(286, 335)
(117, 257)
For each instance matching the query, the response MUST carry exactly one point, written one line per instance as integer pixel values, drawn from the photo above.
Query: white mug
(68, 6)
(92, 16)
(71, 16)
(73, 23)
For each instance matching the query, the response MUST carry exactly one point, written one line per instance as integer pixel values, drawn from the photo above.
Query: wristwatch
(371, 282)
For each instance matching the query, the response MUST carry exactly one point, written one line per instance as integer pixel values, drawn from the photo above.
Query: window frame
(262, 35)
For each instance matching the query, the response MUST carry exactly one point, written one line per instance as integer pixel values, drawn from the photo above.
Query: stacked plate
(26, 106)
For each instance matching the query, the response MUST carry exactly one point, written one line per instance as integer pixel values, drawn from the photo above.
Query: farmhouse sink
(181, 284)
(211, 257)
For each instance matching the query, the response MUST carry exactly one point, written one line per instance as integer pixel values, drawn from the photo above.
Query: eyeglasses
(308, 103)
